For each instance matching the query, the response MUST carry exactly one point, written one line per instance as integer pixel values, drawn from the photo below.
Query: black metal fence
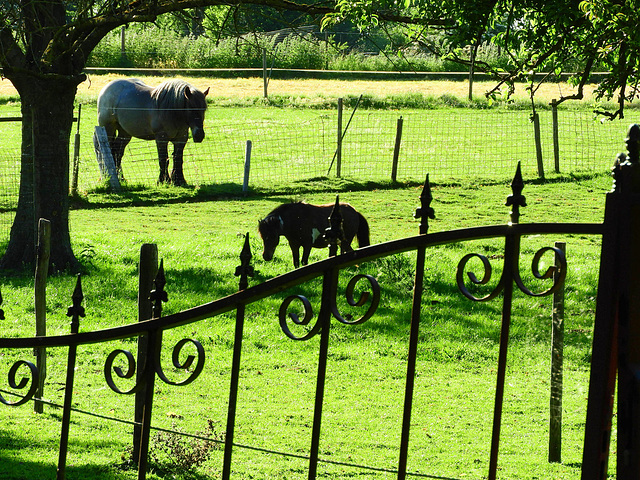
(301, 321)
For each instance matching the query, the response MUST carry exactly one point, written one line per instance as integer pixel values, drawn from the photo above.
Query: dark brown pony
(303, 225)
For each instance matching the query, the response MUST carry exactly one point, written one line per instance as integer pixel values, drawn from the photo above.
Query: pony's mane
(270, 224)
(171, 95)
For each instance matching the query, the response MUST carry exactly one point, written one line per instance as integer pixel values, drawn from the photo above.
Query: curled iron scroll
(22, 383)
(474, 279)
(284, 314)
(558, 273)
(130, 372)
(374, 295)
(175, 358)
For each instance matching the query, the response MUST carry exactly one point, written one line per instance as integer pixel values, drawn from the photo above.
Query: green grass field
(200, 242)
(199, 232)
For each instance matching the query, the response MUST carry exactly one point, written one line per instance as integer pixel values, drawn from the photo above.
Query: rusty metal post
(424, 213)
(557, 360)
(244, 270)
(157, 297)
(329, 291)
(511, 254)
(75, 312)
(396, 150)
(40, 303)
(147, 270)
(616, 334)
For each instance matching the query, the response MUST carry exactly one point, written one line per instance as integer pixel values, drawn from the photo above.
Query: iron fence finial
(626, 168)
(334, 234)
(158, 294)
(516, 199)
(245, 269)
(424, 212)
(76, 310)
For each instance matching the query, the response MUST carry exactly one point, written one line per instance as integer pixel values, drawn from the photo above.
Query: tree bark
(47, 117)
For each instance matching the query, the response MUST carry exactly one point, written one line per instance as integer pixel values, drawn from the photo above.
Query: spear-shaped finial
(334, 234)
(245, 269)
(424, 212)
(516, 199)
(158, 294)
(76, 310)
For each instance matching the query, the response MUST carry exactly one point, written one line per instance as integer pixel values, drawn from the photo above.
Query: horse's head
(197, 104)
(270, 230)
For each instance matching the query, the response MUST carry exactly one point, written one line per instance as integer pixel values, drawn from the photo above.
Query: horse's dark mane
(170, 96)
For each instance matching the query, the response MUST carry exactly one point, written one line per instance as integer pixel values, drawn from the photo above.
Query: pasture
(199, 237)
(200, 243)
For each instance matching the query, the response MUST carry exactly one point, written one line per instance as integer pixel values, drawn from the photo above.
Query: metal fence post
(75, 312)
(40, 303)
(147, 271)
(557, 356)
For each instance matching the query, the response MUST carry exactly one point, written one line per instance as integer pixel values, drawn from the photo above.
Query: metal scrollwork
(284, 314)
(22, 383)
(131, 370)
(474, 279)
(186, 364)
(558, 273)
(374, 295)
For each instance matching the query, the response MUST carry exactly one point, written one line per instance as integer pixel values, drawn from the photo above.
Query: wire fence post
(556, 142)
(396, 149)
(76, 156)
(339, 144)
(247, 167)
(536, 131)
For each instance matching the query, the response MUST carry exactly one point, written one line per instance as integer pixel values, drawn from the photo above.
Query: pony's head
(197, 104)
(270, 230)
(180, 103)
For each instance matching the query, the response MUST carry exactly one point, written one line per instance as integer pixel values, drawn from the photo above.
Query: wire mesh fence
(449, 144)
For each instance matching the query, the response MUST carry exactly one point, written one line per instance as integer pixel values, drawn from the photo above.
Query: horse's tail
(363, 231)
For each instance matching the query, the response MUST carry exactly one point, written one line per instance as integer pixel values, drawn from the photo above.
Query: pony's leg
(306, 251)
(163, 160)
(295, 250)
(177, 176)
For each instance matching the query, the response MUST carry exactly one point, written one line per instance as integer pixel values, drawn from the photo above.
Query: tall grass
(159, 48)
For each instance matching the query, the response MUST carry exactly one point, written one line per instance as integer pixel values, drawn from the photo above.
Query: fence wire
(449, 144)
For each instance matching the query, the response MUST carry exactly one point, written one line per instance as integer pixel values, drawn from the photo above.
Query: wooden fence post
(105, 158)
(247, 167)
(396, 150)
(556, 141)
(40, 296)
(147, 271)
(339, 144)
(536, 131)
(76, 156)
(557, 356)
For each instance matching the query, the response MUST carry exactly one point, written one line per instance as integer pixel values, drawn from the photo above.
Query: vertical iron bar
(411, 363)
(512, 248)
(329, 288)
(75, 312)
(147, 271)
(243, 271)
(424, 213)
(557, 357)
(153, 354)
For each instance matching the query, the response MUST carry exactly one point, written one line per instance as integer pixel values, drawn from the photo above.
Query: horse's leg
(119, 145)
(163, 161)
(306, 251)
(177, 176)
(295, 251)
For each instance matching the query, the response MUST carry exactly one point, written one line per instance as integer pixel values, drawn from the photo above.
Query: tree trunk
(47, 117)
